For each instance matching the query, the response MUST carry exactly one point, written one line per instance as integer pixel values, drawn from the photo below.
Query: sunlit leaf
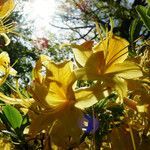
(135, 29)
(142, 11)
(148, 11)
(13, 116)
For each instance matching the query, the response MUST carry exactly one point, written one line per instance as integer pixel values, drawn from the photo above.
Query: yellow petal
(81, 74)
(39, 123)
(5, 64)
(94, 66)
(82, 52)
(120, 86)
(85, 98)
(56, 85)
(142, 108)
(61, 72)
(115, 49)
(12, 71)
(51, 97)
(6, 6)
(6, 144)
(126, 70)
(62, 125)
(57, 96)
(66, 130)
(4, 59)
(35, 88)
(38, 67)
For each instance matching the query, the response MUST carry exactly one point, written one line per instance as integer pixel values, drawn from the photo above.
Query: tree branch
(80, 27)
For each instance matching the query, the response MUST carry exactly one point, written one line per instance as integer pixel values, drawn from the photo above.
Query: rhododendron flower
(6, 8)
(140, 89)
(53, 92)
(106, 62)
(5, 68)
(5, 144)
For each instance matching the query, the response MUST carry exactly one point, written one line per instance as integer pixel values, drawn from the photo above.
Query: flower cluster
(56, 105)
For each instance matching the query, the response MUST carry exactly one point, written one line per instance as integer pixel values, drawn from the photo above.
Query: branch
(82, 36)
(80, 27)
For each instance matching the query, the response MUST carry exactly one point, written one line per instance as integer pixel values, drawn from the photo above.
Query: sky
(40, 13)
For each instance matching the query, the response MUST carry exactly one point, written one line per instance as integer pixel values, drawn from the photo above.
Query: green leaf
(148, 12)
(112, 24)
(13, 116)
(135, 29)
(142, 11)
(148, 1)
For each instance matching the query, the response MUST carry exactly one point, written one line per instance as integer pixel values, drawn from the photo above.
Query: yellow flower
(6, 7)
(140, 89)
(106, 62)
(5, 144)
(53, 92)
(82, 52)
(6, 28)
(5, 68)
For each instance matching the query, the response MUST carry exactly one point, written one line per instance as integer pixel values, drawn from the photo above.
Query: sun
(40, 13)
(42, 8)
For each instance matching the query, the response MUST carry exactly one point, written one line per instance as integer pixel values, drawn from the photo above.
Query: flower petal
(38, 67)
(126, 70)
(6, 7)
(115, 49)
(61, 72)
(82, 52)
(94, 67)
(5, 64)
(85, 98)
(12, 71)
(66, 130)
(120, 85)
(39, 123)
(56, 85)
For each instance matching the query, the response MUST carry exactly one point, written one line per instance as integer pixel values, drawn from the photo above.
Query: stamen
(6, 25)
